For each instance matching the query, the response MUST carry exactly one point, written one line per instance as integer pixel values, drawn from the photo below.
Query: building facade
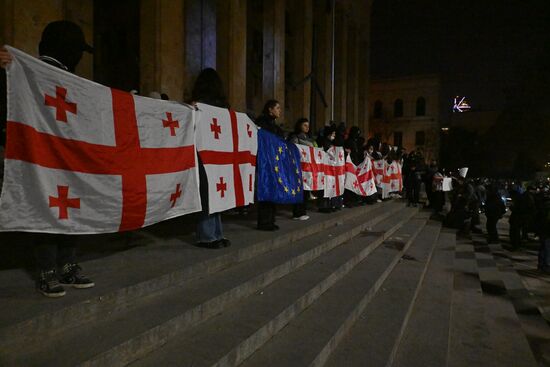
(406, 112)
(262, 49)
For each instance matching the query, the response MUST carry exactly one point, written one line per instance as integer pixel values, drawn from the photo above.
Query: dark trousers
(266, 214)
(299, 209)
(492, 229)
(413, 192)
(515, 232)
(54, 250)
(544, 254)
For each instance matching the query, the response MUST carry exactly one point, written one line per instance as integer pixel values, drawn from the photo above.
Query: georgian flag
(378, 168)
(227, 142)
(313, 167)
(334, 172)
(360, 179)
(84, 158)
(392, 180)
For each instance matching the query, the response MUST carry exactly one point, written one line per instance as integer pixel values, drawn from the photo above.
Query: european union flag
(279, 172)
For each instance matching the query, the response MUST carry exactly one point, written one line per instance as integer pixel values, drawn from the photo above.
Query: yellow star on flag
(280, 150)
(280, 180)
(293, 192)
(276, 157)
(286, 189)
(276, 169)
(298, 189)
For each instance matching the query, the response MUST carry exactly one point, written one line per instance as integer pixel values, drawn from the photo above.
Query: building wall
(409, 89)
(177, 38)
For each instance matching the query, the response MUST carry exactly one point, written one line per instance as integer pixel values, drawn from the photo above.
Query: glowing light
(461, 104)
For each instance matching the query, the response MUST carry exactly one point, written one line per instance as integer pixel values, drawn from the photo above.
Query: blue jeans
(209, 227)
(544, 254)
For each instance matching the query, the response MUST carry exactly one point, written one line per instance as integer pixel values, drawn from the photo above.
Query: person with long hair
(302, 136)
(268, 120)
(209, 89)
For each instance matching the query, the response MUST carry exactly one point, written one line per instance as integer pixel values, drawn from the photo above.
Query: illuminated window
(378, 109)
(420, 138)
(420, 106)
(398, 138)
(398, 108)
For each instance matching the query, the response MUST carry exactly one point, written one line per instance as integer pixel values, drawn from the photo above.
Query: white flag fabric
(360, 179)
(378, 168)
(392, 181)
(335, 172)
(227, 142)
(313, 167)
(84, 158)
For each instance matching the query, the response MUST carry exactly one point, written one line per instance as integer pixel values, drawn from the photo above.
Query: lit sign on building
(461, 105)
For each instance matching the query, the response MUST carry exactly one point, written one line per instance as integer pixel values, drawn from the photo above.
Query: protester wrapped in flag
(279, 176)
(392, 180)
(84, 158)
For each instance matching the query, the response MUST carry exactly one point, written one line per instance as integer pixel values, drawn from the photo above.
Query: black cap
(66, 33)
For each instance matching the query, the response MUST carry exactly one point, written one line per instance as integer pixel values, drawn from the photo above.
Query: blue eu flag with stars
(278, 168)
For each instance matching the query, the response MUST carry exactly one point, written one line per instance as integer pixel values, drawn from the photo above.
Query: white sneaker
(378, 201)
(303, 217)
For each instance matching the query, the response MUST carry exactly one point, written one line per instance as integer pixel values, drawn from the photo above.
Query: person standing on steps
(302, 136)
(62, 45)
(268, 120)
(209, 89)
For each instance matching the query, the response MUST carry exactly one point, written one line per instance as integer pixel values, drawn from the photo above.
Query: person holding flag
(62, 45)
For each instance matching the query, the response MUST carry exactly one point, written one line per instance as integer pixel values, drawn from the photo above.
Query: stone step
(232, 336)
(516, 323)
(371, 332)
(424, 345)
(484, 328)
(125, 277)
(151, 321)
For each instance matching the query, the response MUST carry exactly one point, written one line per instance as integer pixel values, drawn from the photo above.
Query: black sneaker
(48, 285)
(70, 275)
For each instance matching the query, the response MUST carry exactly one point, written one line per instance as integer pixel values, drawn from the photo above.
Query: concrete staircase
(376, 285)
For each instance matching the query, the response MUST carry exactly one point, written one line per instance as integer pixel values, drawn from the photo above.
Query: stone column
(274, 51)
(353, 77)
(341, 66)
(323, 47)
(22, 23)
(231, 49)
(200, 40)
(300, 53)
(162, 47)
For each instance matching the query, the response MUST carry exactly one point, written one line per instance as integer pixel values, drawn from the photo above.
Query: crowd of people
(528, 205)
(63, 44)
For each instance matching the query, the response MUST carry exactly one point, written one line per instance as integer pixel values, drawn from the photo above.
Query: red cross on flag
(360, 179)
(378, 168)
(392, 181)
(227, 143)
(334, 172)
(84, 158)
(313, 167)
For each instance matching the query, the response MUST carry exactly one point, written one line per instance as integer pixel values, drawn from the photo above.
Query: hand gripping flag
(335, 172)
(84, 158)
(279, 173)
(227, 144)
(313, 167)
(360, 179)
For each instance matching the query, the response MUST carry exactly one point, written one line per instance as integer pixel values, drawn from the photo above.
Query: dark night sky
(479, 47)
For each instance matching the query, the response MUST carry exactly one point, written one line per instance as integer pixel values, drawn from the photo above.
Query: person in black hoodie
(62, 45)
(268, 120)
